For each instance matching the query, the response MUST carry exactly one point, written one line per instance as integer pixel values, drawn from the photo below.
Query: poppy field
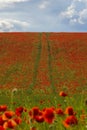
(43, 81)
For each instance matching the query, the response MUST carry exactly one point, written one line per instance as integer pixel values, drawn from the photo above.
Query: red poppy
(59, 111)
(69, 110)
(19, 111)
(63, 94)
(34, 112)
(18, 120)
(11, 124)
(3, 108)
(8, 114)
(70, 121)
(33, 128)
(39, 118)
(49, 115)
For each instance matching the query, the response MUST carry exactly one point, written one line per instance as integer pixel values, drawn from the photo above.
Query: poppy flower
(49, 115)
(11, 124)
(63, 94)
(59, 111)
(19, 111)
(3, 108)
(34, 112)
(8, 114)
(70, 121)
(18, 120)
(39, 118)
(33, 128)
(69, 110)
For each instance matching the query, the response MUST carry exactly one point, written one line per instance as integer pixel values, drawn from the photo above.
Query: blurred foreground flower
(36, 114)
(70, 121)
(49, 115)
(69, 110)
(3, 108)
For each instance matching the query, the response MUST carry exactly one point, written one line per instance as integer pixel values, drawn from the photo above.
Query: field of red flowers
(43, 80)
(43, 60)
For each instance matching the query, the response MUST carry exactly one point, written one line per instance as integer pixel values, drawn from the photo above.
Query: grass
(39, 98)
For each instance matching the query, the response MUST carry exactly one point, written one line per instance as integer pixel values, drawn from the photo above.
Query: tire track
(50, 68)
(36, 66)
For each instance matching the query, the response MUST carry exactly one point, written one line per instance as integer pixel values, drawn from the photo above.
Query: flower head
(36, 114)
(70, 121)
(3, 108)
(49, 115)
(11, 124)
(63, 94)
(18, 120)
(39, 118)
(59, 111)
(69, 110)
(19, 111)
(8, 114)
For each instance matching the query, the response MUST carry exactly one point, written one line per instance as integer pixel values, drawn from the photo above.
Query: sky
(43, 15)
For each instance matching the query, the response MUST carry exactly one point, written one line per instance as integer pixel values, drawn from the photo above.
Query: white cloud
(43, 5)
(70, 12)
(76, 12)
(6, 3)
(83, 16)
(13, 25)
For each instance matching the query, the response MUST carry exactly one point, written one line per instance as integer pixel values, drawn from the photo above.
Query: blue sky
(43, 15)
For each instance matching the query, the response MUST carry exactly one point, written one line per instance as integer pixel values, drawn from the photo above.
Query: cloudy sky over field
(43, 15)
